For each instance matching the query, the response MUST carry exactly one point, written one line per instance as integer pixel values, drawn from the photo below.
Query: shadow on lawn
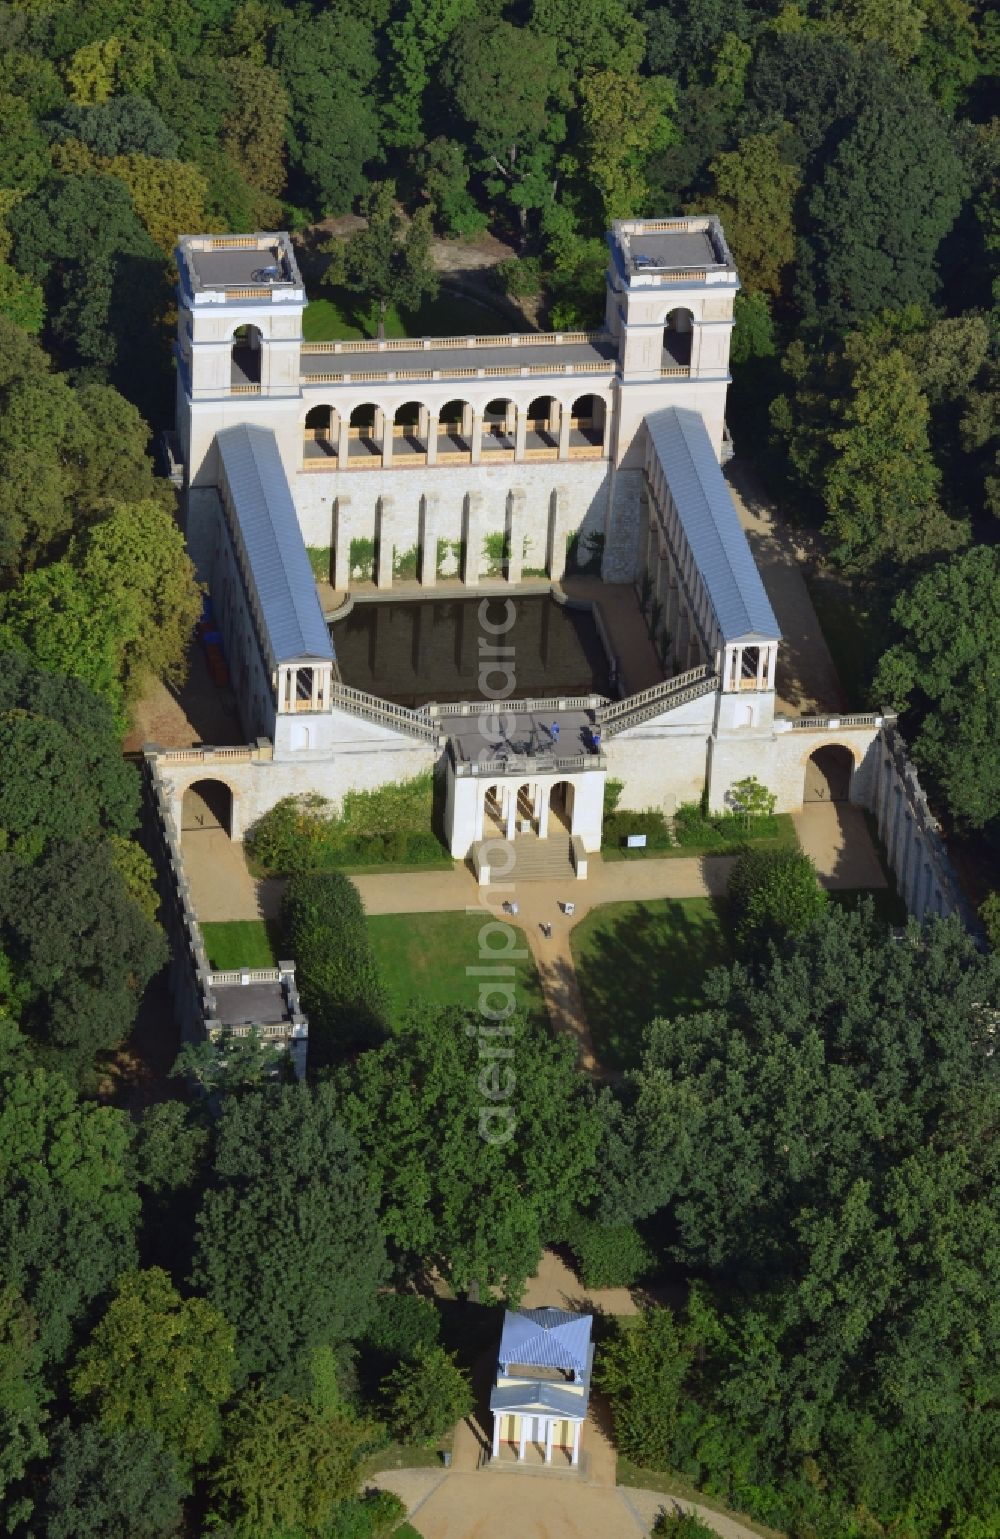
(650, 960)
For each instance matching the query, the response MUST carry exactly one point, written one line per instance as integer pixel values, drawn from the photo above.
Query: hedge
(619, 825)
(324, 929)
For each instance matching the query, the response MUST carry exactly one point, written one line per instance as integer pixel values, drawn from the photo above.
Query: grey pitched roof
(545, 1338)
(538, 1399)
(708, 518)
(269, 526)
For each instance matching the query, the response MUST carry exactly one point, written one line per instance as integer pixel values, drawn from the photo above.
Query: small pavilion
(542, 1390)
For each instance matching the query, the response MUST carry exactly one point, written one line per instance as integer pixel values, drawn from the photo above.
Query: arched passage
(828, 774)
(499, 427)
(207, 805)
(366, 428)
(586, 419)
(677, 337)
(561, 801)
(542, 424)
(320, 433)
(246, 355)
(410, 425)
(455, 429)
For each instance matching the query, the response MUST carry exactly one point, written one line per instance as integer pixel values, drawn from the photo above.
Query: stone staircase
(535, 860)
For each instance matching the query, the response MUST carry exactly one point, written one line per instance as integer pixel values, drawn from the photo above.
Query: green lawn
(346, 318)
(639, 960)
(716, 843)
(239, 943)
(425, 957)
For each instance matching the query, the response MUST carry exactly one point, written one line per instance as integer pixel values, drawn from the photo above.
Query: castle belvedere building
(449, 483)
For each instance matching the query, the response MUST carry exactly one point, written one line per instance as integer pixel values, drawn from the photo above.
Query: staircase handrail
(667, 700)
(665, 690)
(373, 708)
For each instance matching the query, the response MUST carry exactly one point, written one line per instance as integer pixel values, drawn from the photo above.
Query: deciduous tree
(754, 195)
(289, 1247)
(157, 1362)
(104, 1482)
(426, 1395)
(942, 674)
(390, 259)
(471, 1184)
(285, 1466)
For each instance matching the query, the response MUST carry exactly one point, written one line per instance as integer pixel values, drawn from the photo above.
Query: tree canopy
(289, 1246)
(465, 1188)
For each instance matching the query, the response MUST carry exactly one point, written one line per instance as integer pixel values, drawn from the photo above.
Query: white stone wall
(397, 500)
(256, 785)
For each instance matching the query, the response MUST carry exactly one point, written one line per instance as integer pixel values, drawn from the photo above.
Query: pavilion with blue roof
(542, 1391)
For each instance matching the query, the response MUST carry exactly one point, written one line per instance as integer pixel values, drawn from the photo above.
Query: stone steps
(535, 860)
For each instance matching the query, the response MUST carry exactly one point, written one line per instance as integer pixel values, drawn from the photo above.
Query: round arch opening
(829, 771)
(246, 355)
(320, 432)
(543, 423)
(207, 805)
(586, 418)
(678, 333)
(499, 424)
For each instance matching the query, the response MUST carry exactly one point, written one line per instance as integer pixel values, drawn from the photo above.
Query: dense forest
(196, 1328)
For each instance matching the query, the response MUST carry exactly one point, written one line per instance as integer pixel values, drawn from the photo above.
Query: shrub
(372, 1516)
(404, 1325)
(679, 1524)
(325, 930)
(425, 1397)
(305, 833)
(989, 913)
(520, 277)
(774, 893)
(609, 1256)
(693, 825)
(618, 825)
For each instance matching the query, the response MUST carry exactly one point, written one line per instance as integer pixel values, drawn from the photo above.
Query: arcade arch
(543, 417)
(499, 427)
(455, 428)
(587, 418)
(320, 433)
(365, 433)
(678, 334)
(410, 425)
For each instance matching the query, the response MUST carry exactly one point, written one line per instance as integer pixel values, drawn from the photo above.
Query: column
(761, 667)
(383, 575)
(524, 1436)
(342, 544)
(564, 424)
(475, 436)
(314, 693)
(343, 439)
(548, 1441)
(576, 1442)
(516, 524)
(556, 554)
(772, 663)
(387, 434)
(478, 834)
(520, 433)
(432, 437)
(496, 1437)
(472, 533)
(542, 803)
(512, 818)
(428, 539)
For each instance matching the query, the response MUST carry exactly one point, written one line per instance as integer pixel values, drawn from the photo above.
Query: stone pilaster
(383, 573)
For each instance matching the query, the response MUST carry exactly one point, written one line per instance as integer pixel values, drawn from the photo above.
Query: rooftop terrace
(649, 251)
(541, 353)
(261, 266)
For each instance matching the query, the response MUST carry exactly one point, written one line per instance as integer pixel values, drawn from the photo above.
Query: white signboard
(637, 841)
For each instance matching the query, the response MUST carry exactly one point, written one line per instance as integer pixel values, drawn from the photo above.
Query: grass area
(346, 318)
(426, 956)
(405, 1456)
(855, 626)
(636, 961)
(673, 1483)
(240, 943)
(784, 837)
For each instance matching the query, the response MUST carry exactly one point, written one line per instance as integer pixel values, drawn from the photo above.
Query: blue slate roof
(707, 515)
(269, 526)
(545, 1338)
